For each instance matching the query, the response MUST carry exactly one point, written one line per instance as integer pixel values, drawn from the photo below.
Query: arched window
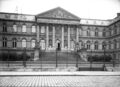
(4, 27)
(4, 42)
(88, 32)
(33, 43)
(88, 45)
(33, 29)
(14, 28)
(24, 43)
(14, 42)
(24, 28)
(103, 45)
(96, 32)
(96, 45)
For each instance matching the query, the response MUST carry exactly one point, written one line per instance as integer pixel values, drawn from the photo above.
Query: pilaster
(47, 37)
(54, 37)
(38, 30)
(62, 37)
(68, 37)
(77, 35)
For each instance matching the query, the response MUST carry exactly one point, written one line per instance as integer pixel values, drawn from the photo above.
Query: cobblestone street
(60, 81)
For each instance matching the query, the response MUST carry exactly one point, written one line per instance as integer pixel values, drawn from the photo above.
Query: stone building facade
(58, 28)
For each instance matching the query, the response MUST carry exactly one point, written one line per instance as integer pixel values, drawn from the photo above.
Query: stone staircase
(61, 56)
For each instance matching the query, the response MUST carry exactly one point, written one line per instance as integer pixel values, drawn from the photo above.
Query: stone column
(47, 37)
(36, 51)
(53, 37)
(77, 35)
(68, 37)
(62, 37)
(38, 30)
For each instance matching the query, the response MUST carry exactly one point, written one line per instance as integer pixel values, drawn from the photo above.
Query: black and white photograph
(59, 43)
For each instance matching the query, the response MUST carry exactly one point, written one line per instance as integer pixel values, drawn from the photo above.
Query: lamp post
(104, 47)
(91, 60)
(77, 47)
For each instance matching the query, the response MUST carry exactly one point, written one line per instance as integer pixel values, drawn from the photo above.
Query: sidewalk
(66, 79)
(80, 73)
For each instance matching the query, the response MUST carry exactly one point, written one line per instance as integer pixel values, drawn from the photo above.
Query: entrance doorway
(58, 47)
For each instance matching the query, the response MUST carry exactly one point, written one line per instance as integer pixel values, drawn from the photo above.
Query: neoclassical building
(58, 28)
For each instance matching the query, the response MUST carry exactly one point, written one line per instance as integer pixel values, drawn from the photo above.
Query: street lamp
(91, 60)
(77, 49)
(104, 47)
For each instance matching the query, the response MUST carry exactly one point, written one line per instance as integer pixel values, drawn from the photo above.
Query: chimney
(118, 14)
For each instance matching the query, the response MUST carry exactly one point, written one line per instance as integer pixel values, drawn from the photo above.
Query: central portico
(57, 28)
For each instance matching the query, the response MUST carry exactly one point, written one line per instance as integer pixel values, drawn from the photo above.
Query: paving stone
(60, 81)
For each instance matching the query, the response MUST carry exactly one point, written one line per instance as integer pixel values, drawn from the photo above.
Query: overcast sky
(93, 9)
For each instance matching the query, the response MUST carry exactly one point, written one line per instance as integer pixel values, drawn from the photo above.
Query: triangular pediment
(58, 13)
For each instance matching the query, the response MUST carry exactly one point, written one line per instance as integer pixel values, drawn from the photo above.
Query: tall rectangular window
(15, 28)
(4, 27)
(14, 43)
(24, 28)
(24, 43)
(4, 42)
(96, 33)
(33, 29)
(33, 43)
(42, 29)
(96, 45)
(104, 33)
